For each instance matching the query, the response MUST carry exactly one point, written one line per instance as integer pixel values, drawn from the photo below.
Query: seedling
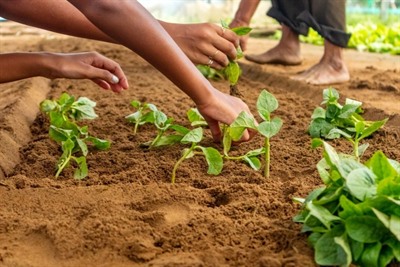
(266, 104)
(233, 71)
(63, 114)
(355, 217)
(144, 114)
(212, 156)
(337, 120)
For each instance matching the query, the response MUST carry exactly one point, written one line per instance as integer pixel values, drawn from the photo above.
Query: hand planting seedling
(233, 71)
(355, 217)
(266, 104)
(337, 120)
(63, 114)
(213, 157)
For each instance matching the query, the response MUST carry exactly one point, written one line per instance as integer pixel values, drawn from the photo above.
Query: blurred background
(374, 24)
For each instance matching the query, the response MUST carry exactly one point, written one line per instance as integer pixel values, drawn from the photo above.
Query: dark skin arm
(198, 41)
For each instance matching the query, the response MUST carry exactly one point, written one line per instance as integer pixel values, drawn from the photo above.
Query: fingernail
(114, 79)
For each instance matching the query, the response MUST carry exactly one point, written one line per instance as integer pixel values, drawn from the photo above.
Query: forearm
(145, 36)
(17, 66)
(57, 16)
(245, 11)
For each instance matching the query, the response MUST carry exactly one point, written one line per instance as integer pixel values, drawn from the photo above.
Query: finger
(114, 68)
(103, 84)
(227, 43)
(215, 130)
(220, 59)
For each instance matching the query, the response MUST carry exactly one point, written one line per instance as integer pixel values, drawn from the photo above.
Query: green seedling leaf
(232, 71)
(253, 162)
(214, 160)
(328, 252)
(242, 122)
(366, 229)
(194, 136)
(370, 256)
(98, 143)
(380, 166)
(270, 128)
(47, 105)
(240, 31)
(330, 95)
(362, 183)
(318, 113)
(266, 103)
(82, 170)
(372, 128)
(83, 109)
(83, 147)
(195, 118)
(322, 214)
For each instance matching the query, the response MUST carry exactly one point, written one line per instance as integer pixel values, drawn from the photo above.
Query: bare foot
(276, 55)
(287, 52)
(330, 70)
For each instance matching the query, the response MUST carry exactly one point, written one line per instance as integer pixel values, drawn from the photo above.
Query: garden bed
(127, 213)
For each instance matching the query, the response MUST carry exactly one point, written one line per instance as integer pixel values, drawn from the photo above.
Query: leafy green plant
(143, 114)
(355, 216)
(74, 139)
(269, 127)
(212, 156)
(338, 120)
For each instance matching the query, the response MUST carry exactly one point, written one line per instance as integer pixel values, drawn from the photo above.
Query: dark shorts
(327, 17)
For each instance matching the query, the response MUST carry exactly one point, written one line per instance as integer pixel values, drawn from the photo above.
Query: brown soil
(127, 213)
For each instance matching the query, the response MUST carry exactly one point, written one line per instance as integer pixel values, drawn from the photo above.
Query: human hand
(244, 38)
(204, 43)
(89, 65)
(223, 108)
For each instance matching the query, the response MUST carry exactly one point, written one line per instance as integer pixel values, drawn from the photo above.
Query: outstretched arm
(103, 71)
(132, 26)
(198, 41)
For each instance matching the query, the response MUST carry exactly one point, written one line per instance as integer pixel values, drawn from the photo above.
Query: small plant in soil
(212, 156)
(355, 217)
(233, 71)
(338, 120)
(74, 139)
(143, 114)
(269, 127)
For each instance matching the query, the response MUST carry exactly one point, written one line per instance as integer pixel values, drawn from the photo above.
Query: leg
(328, 18)
(287, 52)
(331, 69)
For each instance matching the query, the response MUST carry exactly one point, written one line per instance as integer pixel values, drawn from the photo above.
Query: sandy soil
(127, 213)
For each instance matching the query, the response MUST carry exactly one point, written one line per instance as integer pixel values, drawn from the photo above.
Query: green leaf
(330, 95)
(328, 252)
(319, 127)
(395, 246)
(332, 158)
(99, 143)
(214, 160)
(253, 162)
(82, 170)
(342, 242)
(227, 140)
(370, 255)
(168, 140)
(322, 214)
(84, 109)
(385, 256)
(391, 222)
(59, 134)
(357, 249)
(194, 136)
(270, 128)
(240, 124)
(136, 104)
(240, 31)
(83, 147)
(318, 113)
(362, 183)
(195, 118)
(366, 229)
(388, 187)
(266, 103)
(381, 166)
(232, 71)
(349, 208)
(47, 105)
(372, 128)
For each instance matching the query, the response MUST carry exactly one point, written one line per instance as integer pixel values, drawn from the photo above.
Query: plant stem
(60, 169)
(180, 161)
(267, 157)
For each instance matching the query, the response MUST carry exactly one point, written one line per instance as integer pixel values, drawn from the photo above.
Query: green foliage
(338, 120)
(355, 217)
(143, 115)
(212, 156)
(266, 104)
(63, 114)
